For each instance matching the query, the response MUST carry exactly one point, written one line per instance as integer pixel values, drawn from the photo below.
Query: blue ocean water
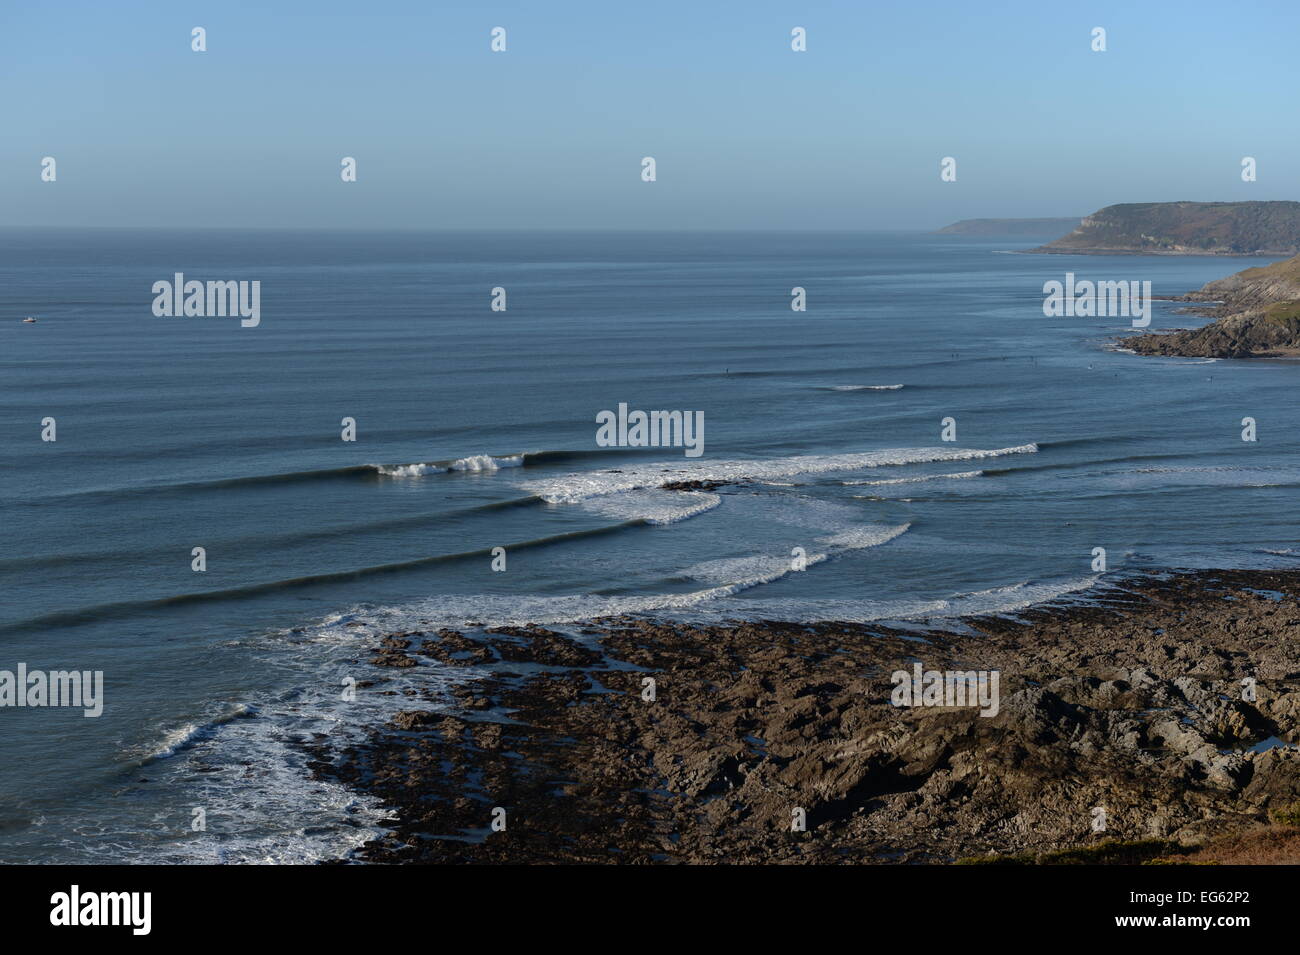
(476, 429)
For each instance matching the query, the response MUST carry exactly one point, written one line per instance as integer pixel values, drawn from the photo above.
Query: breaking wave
(476, 462)
(955, 476)
(656, 506)
(182, 738)
(572, 488)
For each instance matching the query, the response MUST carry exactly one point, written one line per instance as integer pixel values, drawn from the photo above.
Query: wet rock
(1132, 708)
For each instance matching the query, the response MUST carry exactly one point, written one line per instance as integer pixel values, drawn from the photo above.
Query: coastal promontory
(1257, 315)
(1185, 228)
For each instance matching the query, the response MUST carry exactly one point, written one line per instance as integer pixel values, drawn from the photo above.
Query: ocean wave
(317, 532)
(954, 476)
(995, 601)
(579, 486)
(264, 802)
(859, 538)
(726, 577)
(808, 514)
(1189, 477)
(731, 575)
(1092, 463)
(96, 612)
(865, 387)
(475, 462)
(1210, 468)
(726, 571)
(655, 506)
(183, 737)
(490, 462)
(351, 472)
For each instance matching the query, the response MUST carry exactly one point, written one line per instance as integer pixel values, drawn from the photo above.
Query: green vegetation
(1208, 227)
(1288, 816)
(1288, 270)
(1285, 314)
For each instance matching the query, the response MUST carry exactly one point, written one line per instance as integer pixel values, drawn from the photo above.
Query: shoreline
(1171, 253)
(1255, 314)
(1131, 703)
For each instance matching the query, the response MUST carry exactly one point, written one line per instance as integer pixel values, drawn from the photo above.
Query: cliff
(1258, 315)
(1186, 228)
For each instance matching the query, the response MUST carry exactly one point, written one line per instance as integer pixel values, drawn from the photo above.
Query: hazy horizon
(747, 134)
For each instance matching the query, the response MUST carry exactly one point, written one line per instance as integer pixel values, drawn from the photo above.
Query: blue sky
(746, 133)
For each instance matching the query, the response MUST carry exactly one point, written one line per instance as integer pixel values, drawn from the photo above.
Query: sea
(920, 443)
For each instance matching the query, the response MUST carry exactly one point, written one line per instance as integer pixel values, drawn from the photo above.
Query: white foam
(995, 601)
(808, 514)
(735, 574)
(246, 765)
(409, 470)
(857, 538)
(185, 736)
(955, 476)
(727, 577)
(1208, 476)
(475, 462)
(653, 506)
(174, 741)
(865, 387)
(728, 570)
(485, 462)
(579, 486)
(1204, 468)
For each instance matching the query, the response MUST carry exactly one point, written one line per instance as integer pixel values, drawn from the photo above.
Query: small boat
(29, 321)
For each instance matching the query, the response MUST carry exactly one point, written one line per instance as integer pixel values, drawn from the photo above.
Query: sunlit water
(476, 429)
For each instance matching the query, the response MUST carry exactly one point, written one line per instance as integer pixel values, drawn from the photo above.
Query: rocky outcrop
(1240, 336)
(1253, 289)
(1258, 316)
(637, 741)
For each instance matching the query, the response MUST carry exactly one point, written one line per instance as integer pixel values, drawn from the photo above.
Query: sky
(550, 134)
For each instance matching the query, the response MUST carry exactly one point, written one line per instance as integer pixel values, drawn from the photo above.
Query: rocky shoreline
(1130, 709)
(1256, 312)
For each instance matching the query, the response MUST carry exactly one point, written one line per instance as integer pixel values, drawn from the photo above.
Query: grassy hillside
(1187, 228)
(1259, 315)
